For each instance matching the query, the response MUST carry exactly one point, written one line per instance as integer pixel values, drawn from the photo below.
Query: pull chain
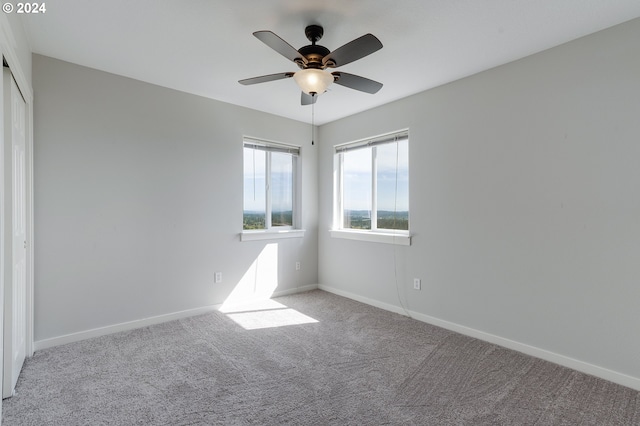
(313, 114)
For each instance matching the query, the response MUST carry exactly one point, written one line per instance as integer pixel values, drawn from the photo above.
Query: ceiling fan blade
(307, 99)
(265, 78)
(352, 51)
(280, 46)
(356, 82)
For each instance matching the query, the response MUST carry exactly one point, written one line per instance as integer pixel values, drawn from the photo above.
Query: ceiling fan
(314, 59)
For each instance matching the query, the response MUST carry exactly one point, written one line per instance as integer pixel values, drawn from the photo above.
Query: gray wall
(138, 195)
(525, 203)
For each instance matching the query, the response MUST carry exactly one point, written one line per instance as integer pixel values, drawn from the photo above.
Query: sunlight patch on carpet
(265, 314)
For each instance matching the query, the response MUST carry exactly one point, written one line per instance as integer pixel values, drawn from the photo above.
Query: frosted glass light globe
(313, 80)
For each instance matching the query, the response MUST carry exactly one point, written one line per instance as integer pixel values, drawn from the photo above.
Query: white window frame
(270, 232)
(390, 236)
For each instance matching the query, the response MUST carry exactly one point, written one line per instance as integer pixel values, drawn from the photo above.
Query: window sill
(271, 234)
(401, 239)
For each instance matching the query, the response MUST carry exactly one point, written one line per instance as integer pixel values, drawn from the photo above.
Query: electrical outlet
(416, 284)
(218, 278)
(297, 266)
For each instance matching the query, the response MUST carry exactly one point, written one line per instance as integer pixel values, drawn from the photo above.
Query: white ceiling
(205, 46)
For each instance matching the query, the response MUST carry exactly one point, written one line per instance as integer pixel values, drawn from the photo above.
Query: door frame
(9, 55)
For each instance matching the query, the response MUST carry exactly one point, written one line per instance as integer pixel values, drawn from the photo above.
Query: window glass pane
(357, 189)
(281, 189)
(392, 161)
(254, 189)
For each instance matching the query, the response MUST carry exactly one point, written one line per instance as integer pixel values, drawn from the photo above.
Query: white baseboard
(584, 367)
(295, 290)
(144, 322)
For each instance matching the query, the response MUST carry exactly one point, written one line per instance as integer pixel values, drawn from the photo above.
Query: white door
(15, 328)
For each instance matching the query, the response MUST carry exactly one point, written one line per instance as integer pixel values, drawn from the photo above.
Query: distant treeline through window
(256, 220)
(361, 219)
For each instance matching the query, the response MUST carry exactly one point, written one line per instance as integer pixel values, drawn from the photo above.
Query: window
(372, 185)
(270, 184)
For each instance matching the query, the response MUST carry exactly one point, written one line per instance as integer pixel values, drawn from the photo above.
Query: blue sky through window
(392, 177)
(254, 180)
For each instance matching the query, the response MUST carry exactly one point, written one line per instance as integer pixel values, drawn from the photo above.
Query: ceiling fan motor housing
(313, 52)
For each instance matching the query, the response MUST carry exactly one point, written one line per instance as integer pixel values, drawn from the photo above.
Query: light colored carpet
(357, 365)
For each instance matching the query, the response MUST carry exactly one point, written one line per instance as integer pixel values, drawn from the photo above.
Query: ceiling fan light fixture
(312, 80)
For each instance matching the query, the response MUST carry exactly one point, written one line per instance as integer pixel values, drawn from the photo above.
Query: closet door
(16, 239)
